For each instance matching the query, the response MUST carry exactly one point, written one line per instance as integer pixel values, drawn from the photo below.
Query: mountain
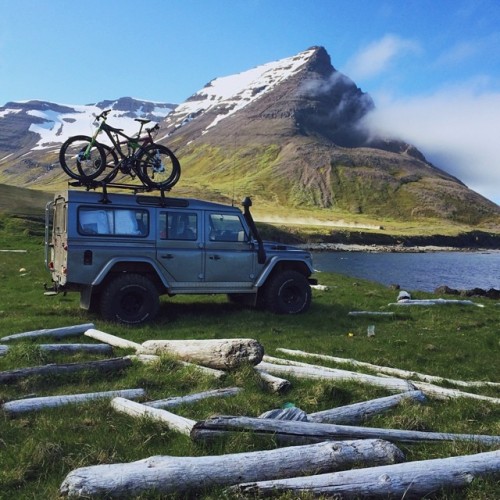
(31, 133)
(288, 133)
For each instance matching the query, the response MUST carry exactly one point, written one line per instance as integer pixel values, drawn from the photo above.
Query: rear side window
(179, 226)
(113, 221)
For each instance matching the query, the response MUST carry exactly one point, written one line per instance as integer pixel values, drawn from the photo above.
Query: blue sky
(432, 67)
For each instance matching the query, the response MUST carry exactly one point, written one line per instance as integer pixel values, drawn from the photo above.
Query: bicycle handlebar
(104, 114)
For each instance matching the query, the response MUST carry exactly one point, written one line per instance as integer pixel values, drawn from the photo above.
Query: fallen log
(114, 364)
(221, 354)
(68, 348)
(369, 313)
(295, 432)
(64, 331)
(274, 384)
(434, 302)
(172, 421)
(357, 412)
(443, 393)
(35, 404)
(182, 475)
(112, 340)
(407, 374)
(193, 398)
(406, 480)
(153, 358)
(315, 372)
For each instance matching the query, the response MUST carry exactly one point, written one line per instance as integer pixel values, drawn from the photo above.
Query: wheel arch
(136, 266)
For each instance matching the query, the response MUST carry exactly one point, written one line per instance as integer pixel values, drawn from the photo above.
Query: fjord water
(416, 271)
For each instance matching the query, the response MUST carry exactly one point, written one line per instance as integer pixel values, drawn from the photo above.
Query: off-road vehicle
(122, 251)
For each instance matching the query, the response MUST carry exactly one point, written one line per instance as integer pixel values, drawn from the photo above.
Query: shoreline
(373, 248)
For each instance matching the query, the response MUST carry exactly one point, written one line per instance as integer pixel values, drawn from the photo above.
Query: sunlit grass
(37, 450)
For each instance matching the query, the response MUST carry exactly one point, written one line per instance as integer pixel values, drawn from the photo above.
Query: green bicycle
(91, 162)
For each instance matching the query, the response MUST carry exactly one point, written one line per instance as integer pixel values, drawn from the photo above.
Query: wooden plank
(187, 475)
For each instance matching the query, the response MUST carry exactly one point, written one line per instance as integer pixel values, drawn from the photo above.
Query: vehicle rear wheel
(130, 299)
(287, 292)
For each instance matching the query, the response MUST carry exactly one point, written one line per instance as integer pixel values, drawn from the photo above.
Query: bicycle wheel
(111, 169)
(81, 159)
(159, 167)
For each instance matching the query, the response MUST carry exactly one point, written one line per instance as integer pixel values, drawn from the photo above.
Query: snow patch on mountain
(232, 93)
(54, 123)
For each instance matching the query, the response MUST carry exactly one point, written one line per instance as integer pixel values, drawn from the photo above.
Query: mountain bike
(86, 160)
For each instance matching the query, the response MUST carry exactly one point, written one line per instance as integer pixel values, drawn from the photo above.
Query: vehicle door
(179, 247)
(229, 255)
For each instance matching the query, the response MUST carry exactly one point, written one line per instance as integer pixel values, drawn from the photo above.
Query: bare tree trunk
(113, 340)
(314, 372)
(172, 421)
(153, 358)
(182, 475)
(35, 404)
(357, 412)
(68, 348)
(274, 384)
(295, 432)
(114, 364)
(193, 398)
(64, 331)
(221, 354)
(390, 371)
(443, 393)
(407, 480)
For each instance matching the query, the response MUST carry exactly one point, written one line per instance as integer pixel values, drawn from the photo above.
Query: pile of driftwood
(320, 449)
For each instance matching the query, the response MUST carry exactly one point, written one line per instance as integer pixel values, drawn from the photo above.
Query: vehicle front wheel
(130, 299)
(288, 292)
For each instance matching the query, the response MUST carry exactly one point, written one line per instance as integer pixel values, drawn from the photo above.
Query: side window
(224, 227)
(179, 226)
(112, 221)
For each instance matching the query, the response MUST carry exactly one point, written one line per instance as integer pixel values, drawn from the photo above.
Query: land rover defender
(123, 251)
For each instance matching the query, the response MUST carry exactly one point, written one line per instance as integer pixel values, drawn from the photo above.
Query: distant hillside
(287, 133)
(23, 202)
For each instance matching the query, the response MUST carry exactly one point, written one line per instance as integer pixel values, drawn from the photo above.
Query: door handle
(167, 256)
(214, 257)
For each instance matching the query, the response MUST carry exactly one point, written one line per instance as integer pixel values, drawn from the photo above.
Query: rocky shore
(359, 241)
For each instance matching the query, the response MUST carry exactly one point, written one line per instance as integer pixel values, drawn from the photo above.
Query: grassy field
(38, 450)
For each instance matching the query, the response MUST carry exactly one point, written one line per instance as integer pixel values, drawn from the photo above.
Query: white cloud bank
(378, 56)
(456, 129)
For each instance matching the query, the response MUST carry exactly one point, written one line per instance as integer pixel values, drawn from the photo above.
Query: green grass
(37, 450)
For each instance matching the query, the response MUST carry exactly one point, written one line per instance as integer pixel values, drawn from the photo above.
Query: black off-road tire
(130, 299)
(287, 292)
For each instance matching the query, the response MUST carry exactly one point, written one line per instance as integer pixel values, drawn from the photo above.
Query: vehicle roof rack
(95, 185)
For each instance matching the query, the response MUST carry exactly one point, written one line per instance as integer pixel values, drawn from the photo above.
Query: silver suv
(122, 251)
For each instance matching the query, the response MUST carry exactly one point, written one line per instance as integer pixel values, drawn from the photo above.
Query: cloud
(377, 56)
(455, 128)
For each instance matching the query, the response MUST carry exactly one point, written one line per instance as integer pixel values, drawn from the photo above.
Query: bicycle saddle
(142, 120)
